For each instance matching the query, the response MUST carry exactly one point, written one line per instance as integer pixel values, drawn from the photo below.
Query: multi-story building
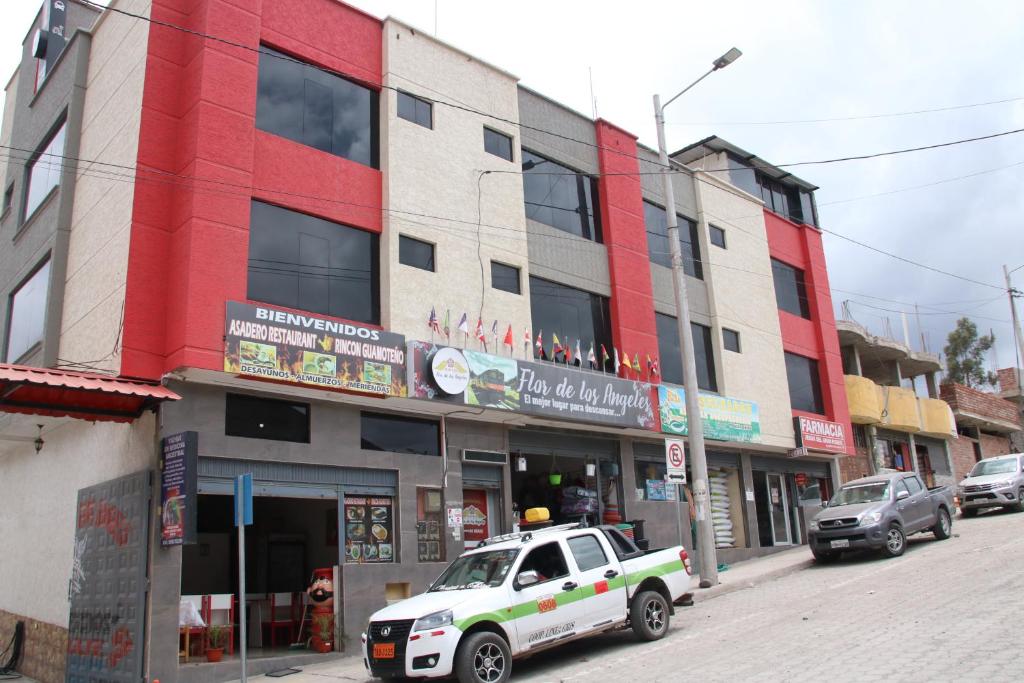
(239, 221)
(987, 423)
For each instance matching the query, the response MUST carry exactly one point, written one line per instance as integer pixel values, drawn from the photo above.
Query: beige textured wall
(741, 297)
(435, 172)
(39, 491)
(101, 220)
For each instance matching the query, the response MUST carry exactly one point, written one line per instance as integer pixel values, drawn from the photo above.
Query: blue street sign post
(243, 517)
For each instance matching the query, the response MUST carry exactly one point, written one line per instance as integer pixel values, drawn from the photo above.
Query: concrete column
(875, 466)
(857, 369)
(913, 453)
(933, 388)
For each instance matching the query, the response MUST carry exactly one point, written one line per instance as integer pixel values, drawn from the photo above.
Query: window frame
(59, 128)
(725, 340)
(715, 230)
(519, 277)
(416, 102)
(707, 341)
(504, 136)
(405, 239)
(395, 417)
(45, 262)
(592, 231)
(308, 408)
(519, 568)
(8, 201)
(572, 551)
(599, 314)
(800, 284)
(694, 267)
(817, 394)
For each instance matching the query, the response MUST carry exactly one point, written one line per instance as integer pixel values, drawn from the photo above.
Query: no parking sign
(675, 461)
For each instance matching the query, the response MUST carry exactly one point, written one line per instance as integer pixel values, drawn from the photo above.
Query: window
(656, 224)
(27, 318)
(587, 552)
(717, 236)
(415, 253)
(650, 481)
(790, 290)
(313, 265)
(412, 108)
(571, 314)
(429, 526)
(913, 484)
(312, 107)
(397, 434)
(669, 354)
(901, 486)
(781, 199)
(8, 199)
(804, 384)
(731, 340)
(43, 172)
(498, 144)
(505, 278)
(860, 436)
(558, 196)
(547, 560)
(264, 418)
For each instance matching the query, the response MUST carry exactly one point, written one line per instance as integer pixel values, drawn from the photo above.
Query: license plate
(383, 650)
(841, 543)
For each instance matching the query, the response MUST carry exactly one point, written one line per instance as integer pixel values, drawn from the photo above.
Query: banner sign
(819, 435)
(179, 454)
(267, 342)
(537, 388)
(725, 419)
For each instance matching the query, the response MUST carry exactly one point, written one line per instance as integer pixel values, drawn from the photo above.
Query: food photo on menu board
(369, 530)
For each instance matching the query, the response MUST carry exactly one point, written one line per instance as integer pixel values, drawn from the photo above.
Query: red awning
(82, 395)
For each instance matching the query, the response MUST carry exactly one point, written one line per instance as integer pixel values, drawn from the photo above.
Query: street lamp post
(706, 555)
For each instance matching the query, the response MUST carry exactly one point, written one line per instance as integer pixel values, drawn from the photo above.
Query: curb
(703, 594)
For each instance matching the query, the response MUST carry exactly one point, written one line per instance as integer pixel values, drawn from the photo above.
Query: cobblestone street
(937, 613)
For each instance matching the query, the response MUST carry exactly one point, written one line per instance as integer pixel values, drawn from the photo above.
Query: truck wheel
(968, 512)
(648, 613)
(1019, 507)
(824, 558)
(483, 657)
(895, 542)
(944, 526)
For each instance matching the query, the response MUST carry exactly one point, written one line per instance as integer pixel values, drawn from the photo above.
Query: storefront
(787, 493)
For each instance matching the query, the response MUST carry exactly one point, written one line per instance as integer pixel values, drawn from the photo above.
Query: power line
(849, 118)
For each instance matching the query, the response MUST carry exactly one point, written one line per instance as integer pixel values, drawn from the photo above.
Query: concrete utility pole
(707, 557)
(1010, 291)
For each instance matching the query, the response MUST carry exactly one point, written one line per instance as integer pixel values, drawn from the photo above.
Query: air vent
(486, 457)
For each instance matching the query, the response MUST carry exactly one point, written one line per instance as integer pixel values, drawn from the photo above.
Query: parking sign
(675, 461)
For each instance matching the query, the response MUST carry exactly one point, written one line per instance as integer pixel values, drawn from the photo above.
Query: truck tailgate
(664, 564)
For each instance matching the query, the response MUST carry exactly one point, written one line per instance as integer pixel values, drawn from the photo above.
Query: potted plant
(323, 632)
(215, 643)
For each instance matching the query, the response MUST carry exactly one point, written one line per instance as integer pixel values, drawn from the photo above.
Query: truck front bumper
(428, 654)
(988, 499)
(849, 538)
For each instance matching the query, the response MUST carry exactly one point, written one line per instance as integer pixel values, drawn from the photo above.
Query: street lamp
(707, 557)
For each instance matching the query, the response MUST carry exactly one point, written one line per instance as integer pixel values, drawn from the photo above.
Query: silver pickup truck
(994, 482)
(878, 513)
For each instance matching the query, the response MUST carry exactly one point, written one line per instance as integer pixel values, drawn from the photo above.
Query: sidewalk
(738, 577)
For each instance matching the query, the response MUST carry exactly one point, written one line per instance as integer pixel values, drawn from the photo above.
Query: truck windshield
(479, 570)
(994, 467)
(861, 493)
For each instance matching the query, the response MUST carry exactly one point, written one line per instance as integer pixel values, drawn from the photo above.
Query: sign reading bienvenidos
(262, 341)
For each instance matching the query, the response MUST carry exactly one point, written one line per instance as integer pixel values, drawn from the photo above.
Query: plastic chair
(198, 602)
(220, 611)
(282, 615)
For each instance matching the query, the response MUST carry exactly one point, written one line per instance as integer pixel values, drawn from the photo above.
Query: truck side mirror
(527, 578)
(900, 495)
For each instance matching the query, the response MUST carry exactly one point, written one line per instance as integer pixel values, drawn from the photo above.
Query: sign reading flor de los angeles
(725, 419)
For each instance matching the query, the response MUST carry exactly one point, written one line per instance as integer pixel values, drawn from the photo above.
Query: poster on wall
(262, 341)
(474, 514)
(725, 419)
(544, 389)
(179, 454)
(369, 529)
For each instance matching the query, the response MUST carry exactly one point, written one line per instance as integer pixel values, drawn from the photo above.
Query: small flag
(447, 325)
(494, 334)
(568, 352)
(579, 356)
(604, 357)
(432, 321)
(540, 346)
(591, 358)
(652, 366)
(636, 363)
(508, 337)
(616, 366)
(480, 331)
(464, 324)
(556, 347)
(526, 336)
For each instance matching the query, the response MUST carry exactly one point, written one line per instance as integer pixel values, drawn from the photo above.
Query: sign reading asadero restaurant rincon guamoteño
(262, 341)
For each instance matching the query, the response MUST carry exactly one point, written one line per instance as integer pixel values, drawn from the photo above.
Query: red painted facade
(190, 236)
(801, 247)
(622, 222)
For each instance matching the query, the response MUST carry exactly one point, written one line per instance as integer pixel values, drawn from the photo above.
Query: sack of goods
(718, 482)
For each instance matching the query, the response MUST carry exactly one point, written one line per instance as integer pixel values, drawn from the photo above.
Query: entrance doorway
(480, 513)
(778, 506)
(572, 488)
(773, 502)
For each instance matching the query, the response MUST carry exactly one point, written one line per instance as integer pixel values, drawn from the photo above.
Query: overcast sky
(802, 60)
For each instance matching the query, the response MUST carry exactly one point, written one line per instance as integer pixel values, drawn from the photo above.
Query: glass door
(778, 506)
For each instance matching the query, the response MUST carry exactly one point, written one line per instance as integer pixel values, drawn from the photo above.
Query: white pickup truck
(520, 593)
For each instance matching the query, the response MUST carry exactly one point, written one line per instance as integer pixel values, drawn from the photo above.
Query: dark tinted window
(743, 175)
(807, 207)
(804, 384)
(731, 340)
(671, 362)
(587, 552)
(790, 291)
(313, 265)
(416, 110)
(264, 418)
(498, 144)
(310, 106)
(505, 277)
(27, 316)
(571, 314)
(547, 560)
(717, 236)
(415, 253)
(8, 198)
(397, 434)
(913, 484)
(781, 199)
(558, 196)
(656, 224)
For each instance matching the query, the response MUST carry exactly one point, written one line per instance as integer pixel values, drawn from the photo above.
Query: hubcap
(654, 615)
(489, 662)
(944, 521)
(895, 540)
